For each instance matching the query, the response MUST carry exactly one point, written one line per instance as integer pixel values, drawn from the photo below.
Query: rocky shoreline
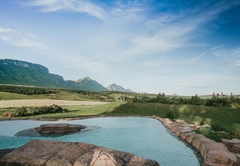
(55, 153)
(213, 153)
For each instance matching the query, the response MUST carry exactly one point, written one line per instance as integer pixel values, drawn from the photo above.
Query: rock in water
(51, 129)
(55, 153)
(58, 128)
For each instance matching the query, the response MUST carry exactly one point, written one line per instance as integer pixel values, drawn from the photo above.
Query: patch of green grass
(81, 111)
(227, 117)
(12, 96)
(216, 135)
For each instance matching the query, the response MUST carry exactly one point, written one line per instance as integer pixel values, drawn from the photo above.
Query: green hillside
(17, 72)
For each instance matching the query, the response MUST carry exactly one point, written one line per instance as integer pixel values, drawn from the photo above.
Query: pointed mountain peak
(83, 79)
(115, 87)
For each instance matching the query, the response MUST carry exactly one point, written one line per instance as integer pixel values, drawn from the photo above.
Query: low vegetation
(214, 100)
(26, 90)
(10, 92)
(29, 111)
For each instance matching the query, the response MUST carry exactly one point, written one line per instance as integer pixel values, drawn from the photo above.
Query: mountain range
(18, 72)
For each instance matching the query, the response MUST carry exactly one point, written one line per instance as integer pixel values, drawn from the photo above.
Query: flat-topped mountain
(25, 73)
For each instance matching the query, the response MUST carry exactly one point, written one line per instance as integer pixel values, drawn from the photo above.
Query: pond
(145, 137)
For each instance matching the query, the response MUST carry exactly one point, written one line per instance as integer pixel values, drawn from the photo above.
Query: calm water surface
(144, 137)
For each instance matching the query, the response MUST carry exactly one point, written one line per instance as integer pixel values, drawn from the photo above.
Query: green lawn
(228, 118)
(73, 111)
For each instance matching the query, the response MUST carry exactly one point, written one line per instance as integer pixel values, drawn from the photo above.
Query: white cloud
(2, 30)
(130, 30)
(17, 38)
(160, 33)
(5, 38)
(228, 56)
(80, 6)
(217, 47)
(197, 57)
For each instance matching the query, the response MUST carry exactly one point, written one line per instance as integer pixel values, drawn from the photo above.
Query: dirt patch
(45, 102)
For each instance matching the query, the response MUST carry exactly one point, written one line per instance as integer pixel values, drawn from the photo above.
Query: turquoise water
(144, 137)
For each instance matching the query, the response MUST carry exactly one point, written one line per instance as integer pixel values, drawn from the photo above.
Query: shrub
(169, 115)
(22, 111)
(216, 127)
(8, 114)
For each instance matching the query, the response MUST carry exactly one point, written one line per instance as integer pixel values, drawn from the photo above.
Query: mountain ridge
(25, 73)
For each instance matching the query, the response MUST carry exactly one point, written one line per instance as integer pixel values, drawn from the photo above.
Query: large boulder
(58, 128)
(55, 153)
(52, 129)
(232, 145)
(222, 157)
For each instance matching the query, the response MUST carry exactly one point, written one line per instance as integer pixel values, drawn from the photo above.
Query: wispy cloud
(80, 6)
(217, 47)
(197, 57)
(17, 38)
(162, 32)
(2, 30)
(228, 56)
(133, 29)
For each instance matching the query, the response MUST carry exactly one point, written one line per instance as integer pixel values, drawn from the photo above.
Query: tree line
(217, 101)
(26, 90)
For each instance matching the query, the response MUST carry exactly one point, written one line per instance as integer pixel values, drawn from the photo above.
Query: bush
(216, 127)
(170, 115)
(22, 111)
(8, 114)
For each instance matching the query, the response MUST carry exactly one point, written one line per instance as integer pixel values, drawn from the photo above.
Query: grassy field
(92, 109)
(228, 118)
(74, 95)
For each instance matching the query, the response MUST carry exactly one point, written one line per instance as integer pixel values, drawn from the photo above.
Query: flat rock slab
(3, 152)
(51, 129)
(56, 153)
(232, 145)
(58, 128)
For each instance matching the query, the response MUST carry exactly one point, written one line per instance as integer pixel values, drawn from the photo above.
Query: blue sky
(179, 46)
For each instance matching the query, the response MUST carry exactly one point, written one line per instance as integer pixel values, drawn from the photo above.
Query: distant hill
(24, 73)
(115, 87)
(87, 84)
